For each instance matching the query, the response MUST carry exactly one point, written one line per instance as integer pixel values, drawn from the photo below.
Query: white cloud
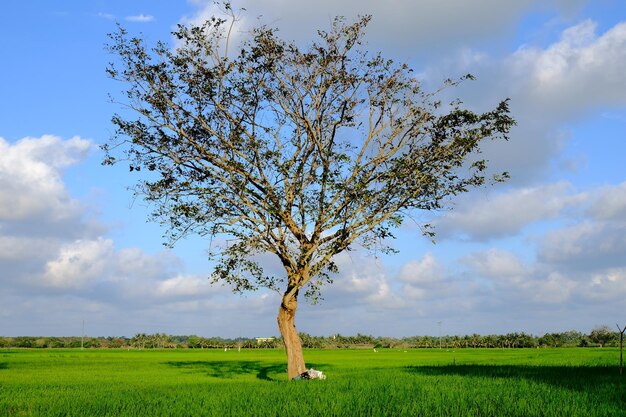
(484, 217)
(554, 289)
(497, 264)
(550, 87)
(405, 26)
(136, 263)
(437, 288)
(206, 10)
(361, 275)
(581, 70)
(39, 219)
(45, 243)
(596, 241)
(140, 18)
(363, 280)
(31, 184)
(50, 254)
(610, 203)
(577, 262)
(182, 285)
(79, 264)
(587, 245)
(515, 284)
(575, 266)
(17, 248)
(424, 271)
(606, 285)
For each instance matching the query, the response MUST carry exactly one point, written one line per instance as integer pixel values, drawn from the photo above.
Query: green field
(466, 382)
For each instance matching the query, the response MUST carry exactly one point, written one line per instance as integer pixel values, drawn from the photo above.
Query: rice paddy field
(467, 382)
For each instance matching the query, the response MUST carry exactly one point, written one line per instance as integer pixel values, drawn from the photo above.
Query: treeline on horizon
(600, 336)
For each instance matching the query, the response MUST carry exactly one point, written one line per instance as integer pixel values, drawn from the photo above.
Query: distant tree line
(600, 336)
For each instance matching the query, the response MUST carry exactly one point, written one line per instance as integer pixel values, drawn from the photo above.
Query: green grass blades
(467, 382)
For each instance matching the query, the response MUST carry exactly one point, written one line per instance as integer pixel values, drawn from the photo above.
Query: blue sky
(545, 252)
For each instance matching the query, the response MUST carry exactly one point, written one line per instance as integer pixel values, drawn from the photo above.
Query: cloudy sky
(545, 252)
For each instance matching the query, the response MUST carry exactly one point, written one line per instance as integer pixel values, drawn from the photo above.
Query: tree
(299, 153)
(602, 335)
(139, 340)
(193, 342)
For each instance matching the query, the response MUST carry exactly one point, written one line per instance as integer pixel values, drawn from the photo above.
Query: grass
(468, 382)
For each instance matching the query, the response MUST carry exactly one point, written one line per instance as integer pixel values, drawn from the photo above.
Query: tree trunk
(287, 327)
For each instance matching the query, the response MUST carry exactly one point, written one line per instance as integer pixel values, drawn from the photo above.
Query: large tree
(301, 153)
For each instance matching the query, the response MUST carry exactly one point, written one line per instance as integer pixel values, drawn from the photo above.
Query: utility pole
(439, 325)
(621, 345)
(82, 337)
